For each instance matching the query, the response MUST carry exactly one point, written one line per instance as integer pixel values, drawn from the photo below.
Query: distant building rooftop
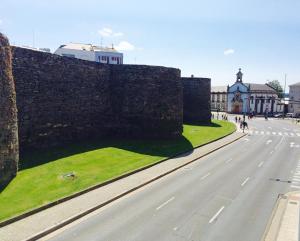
(219, 89)
(87, 47)
(260, 88)
(296, 84)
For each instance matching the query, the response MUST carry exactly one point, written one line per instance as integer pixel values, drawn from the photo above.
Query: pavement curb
(51, 204)
(82, 214)
(275, 221)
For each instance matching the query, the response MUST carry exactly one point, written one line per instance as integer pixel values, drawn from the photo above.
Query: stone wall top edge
(86, 62)
(195, 79)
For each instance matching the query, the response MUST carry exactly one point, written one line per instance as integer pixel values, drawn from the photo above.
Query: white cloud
(228, 51)
(119, 34)
(1, 21)
(125, 46)
(107, 32)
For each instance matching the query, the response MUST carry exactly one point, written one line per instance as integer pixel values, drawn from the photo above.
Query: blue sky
(205, 38)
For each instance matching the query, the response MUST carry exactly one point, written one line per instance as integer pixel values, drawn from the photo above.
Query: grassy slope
(41, 180)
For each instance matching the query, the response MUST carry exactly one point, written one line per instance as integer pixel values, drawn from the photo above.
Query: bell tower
(239, 76)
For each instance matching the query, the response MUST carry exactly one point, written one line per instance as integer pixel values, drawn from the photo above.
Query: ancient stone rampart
(62, 99)
(8, 116)
(196, 100)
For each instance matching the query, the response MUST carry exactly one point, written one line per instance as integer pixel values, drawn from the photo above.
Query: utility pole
(284, 84)
(284, 94)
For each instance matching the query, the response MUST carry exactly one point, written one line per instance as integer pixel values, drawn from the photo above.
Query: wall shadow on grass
(162, 148)
(211, 124)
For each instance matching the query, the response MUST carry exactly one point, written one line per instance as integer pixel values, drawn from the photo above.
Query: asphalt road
(226, 196)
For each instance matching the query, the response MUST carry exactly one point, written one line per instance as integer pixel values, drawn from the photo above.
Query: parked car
(289, 115)
(278, 115)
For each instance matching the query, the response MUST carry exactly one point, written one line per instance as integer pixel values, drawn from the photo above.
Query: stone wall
(8, 116)
(61, 99)
(196, 100)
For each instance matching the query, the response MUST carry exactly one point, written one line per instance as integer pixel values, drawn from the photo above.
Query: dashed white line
(294, 186)
(260, 164)
(268, 142)
(175, 228)
(229, 160)
(205, 176)
(216, 215)
(244, 182)
(165, 203)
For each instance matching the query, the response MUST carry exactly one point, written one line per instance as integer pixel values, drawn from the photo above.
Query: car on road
(278, 115)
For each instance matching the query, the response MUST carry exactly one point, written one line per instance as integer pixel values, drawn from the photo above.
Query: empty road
(226, 196)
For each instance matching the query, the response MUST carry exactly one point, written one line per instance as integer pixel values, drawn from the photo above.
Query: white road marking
(286, 133)
(298, 134)
(296, 179)
(269, 127)
(216, 215)
(262, 132)
(260, 164)
(165, 203)
(229, 160)
(175, 228)
(246, 139)
(274, 133)
(292, 134)
(268, 142)
(202, 178)
(279, 133)
(244, 182)
(294, 186)
(256, 132)
(286, 129)
(268, 133)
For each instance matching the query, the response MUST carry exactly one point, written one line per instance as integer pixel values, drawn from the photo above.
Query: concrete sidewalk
(284, 223)
(51, 219)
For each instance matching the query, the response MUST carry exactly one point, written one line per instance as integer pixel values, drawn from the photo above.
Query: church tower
(239, 76)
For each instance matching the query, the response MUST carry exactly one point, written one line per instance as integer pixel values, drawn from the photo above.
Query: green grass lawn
(41, 177)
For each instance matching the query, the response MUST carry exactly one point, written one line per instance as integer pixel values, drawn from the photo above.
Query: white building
(246, 98)
(91, 53)
(294, 102)
(218, 97)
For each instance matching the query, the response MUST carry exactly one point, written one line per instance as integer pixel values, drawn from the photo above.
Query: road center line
(202, 178)
(216, 215)
(260, 164)
(246, 180)
(165, 203)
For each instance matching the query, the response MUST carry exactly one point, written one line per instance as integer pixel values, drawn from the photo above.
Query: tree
(275, 84)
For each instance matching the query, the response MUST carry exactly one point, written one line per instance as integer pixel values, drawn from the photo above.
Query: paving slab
(284, 223)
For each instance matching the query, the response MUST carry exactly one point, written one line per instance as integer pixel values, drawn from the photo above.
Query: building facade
(91, 53)
(246, 98)
(218, 98)
(294, 99)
